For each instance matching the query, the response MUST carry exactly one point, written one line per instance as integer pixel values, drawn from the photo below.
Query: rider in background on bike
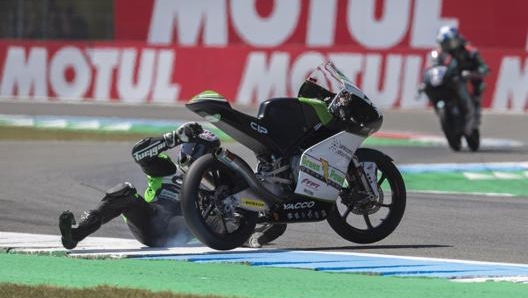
(155, 219)
(471, 67)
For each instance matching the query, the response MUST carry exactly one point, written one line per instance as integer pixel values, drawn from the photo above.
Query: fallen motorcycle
(310, 166)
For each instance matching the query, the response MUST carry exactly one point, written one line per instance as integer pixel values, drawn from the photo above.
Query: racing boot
(89, 223)
(66, 220)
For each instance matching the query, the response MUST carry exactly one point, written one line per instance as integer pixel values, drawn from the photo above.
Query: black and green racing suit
(155, 219)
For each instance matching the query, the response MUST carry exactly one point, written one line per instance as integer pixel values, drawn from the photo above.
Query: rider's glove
(171, 139)
(187, 132)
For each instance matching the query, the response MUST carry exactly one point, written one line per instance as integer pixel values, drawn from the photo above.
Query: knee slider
(121, 190)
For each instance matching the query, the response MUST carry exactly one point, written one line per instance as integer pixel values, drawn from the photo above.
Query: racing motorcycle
(439, 84)
(310, 166)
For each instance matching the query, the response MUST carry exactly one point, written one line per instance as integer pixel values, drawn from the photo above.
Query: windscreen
(326, 81)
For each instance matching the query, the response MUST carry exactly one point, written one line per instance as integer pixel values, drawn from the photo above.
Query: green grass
(10, 290)
(45, 276)
(40, 134)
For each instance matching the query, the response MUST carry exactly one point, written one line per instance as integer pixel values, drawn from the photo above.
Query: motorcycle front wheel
(454, 140)
(368, 221)
(450, 127)
(206, 189)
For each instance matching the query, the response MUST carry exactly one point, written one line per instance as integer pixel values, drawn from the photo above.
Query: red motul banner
(137, 73)
(371, 24)
(169, 50)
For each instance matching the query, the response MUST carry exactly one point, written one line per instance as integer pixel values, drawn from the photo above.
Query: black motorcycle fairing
(365, 117)
(236, 124)
(289, 121)
(440, 90)
(281, 123)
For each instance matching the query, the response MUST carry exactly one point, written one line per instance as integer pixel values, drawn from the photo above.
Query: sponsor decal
(150, 151)
(298, 205)
(258, 128)
(311, 184)
(336, 176)
(338, 148)
(308, 192)
(321, 170)
(252, 203)
(306, 215)
(325, 169)
(310, 164)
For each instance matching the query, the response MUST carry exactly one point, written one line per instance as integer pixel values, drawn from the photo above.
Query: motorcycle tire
(373, 221)
(454, 141)
(205, 186)
(473, 140)
(451, 128)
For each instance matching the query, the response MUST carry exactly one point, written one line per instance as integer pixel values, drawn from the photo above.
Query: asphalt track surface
(40, 179)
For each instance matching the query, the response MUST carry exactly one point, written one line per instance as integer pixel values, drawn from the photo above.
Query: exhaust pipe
(235, 163)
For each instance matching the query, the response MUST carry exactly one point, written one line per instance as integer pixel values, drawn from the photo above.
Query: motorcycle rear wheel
(376, 220)
(206, 185)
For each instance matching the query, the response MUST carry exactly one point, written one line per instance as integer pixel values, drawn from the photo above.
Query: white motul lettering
(427, 20)
(164, 91)
(387, 95)
(412, 67)
(127, 89)
(511, 87)
(322, 16)
(384, 33)
(21, 75)
(105, 62)
(265, 79)
(70, 58)
(271, 31)
(190, 23)
(190, 20)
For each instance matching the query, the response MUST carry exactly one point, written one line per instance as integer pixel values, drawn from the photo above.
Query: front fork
(366, 175)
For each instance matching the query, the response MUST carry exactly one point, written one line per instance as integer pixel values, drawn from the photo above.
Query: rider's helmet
(448, 38)
(206, 142)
